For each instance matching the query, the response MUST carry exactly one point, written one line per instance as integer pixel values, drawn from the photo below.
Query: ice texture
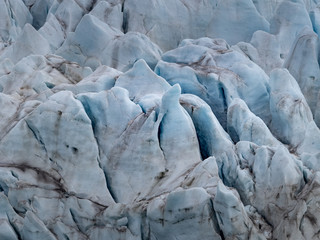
(159, 119)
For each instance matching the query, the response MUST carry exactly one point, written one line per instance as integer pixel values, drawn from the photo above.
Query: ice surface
(159, 119)
(94, 43)
(109, 13)
(243, 125)
(235, 21)
(14, 15)
(211, 70)
(29, 42)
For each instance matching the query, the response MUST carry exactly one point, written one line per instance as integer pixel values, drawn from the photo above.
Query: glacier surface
(159, 119)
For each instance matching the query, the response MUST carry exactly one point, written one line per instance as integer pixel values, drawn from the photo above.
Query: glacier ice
(94, 43)
(213, 71)
(159, 119)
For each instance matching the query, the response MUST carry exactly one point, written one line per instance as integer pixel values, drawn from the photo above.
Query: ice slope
(159, 119)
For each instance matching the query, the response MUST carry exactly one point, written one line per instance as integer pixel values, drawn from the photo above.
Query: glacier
(159, 119)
